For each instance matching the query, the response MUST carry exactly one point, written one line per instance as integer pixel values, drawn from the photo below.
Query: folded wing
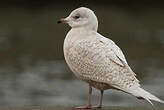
(103, 61)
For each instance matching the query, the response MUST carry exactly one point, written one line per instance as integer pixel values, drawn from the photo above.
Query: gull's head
(81, 17)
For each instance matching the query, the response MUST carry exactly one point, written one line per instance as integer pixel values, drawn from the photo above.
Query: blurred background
(32, 66)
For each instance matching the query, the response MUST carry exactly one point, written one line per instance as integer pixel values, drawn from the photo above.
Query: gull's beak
(63, 20)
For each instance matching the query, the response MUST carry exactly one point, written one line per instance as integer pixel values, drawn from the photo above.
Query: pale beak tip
(62, 21)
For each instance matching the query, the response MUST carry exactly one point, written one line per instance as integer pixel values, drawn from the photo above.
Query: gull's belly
(85, 68)
(78, 65)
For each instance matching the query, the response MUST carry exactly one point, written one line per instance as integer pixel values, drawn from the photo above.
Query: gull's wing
(101, 60)
(114, 52)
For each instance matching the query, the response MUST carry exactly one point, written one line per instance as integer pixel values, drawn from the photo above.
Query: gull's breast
(85, 60)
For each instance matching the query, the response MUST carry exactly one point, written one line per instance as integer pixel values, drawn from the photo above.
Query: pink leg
(89, 106)
(89, 100)
(101, 98)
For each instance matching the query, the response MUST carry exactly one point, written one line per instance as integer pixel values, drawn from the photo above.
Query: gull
(97, 60)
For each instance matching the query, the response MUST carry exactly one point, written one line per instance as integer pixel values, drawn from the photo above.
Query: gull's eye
(76, 17)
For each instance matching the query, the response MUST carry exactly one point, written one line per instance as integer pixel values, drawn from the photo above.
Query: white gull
(97, 60)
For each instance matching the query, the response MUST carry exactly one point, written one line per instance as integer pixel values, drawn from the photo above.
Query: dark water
(32, 66)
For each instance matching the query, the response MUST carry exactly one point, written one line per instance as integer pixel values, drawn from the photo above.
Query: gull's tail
(141, 93)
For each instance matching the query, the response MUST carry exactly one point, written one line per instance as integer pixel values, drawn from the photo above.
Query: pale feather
(99, 59)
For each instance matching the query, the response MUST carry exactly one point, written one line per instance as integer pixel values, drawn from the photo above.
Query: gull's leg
(89, 100)
(101, 98)
(89, 96)
(89, 106)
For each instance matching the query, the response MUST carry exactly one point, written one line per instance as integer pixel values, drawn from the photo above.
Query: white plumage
(96, 59)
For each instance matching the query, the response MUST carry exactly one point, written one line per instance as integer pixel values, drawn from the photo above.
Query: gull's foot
(98, 106)
(86, 107)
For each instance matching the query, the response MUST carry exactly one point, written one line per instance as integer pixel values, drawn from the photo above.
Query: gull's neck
(83, 29)
(79, 33)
